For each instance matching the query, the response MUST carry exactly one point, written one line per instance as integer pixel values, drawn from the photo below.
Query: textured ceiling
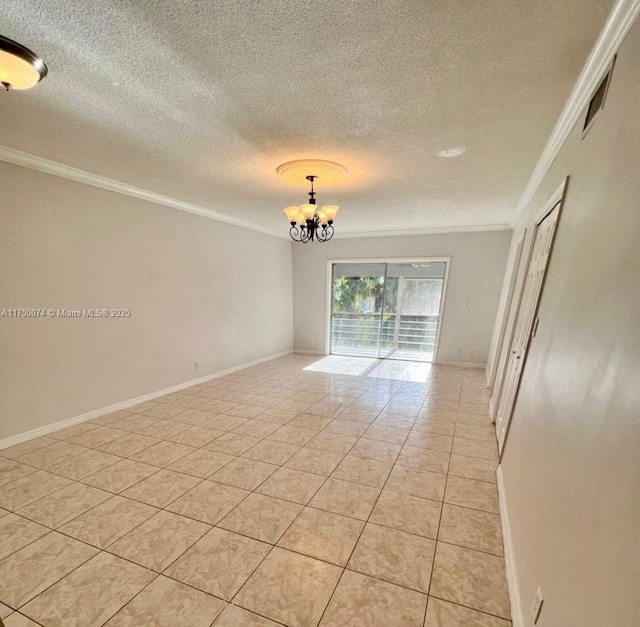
(202, 100)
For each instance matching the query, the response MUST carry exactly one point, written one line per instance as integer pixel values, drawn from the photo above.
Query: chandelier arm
(329, 233)
(295, 234)
(307, 231)
(322, 233)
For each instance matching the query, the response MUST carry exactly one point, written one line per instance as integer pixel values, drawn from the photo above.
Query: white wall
(571, 464)
(198, 290)
(477, 269)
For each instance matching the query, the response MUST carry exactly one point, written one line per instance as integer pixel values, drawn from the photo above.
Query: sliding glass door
(386, 310)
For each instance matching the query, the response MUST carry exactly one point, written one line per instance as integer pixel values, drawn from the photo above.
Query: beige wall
(475, 276)
(198, 290)
(571, 464)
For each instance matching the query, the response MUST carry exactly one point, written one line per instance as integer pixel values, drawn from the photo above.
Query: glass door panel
(417, 309)
(356, 308)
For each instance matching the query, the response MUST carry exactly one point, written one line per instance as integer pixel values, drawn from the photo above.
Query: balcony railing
(371, 335)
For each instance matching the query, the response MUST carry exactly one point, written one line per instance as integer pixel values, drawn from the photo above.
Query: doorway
(387, 310)
(526, 323)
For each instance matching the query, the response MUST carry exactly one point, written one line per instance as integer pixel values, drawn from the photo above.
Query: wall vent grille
(596, 104)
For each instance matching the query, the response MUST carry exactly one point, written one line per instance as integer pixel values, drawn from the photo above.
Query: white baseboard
(492, 410)
(509, 559)
(103, 411)
(304, 351)
(460, 364)
(457, 364)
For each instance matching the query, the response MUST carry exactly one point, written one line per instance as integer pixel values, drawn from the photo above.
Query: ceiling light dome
(325, 172)
(20, 68)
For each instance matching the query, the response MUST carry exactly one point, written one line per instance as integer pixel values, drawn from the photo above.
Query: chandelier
(308, 222)
(19, 67)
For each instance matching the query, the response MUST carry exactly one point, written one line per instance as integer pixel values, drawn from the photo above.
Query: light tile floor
(276, 495)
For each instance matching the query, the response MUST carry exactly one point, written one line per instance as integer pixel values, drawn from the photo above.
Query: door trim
(511, 293)
(518, 304)
(557, 199)
(329, 285)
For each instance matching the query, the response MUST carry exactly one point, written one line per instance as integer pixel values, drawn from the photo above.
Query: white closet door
(524, 323)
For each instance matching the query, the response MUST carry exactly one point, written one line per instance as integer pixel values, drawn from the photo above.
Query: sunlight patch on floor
(418, 372)
(334, 364)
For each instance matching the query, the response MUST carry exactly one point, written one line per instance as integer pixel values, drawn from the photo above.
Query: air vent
(596, 104)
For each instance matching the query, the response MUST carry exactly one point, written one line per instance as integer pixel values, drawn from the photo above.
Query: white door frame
(331, 262)
(559, 196)
(511, 293)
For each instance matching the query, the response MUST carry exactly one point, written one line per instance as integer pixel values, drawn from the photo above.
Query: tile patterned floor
(279, 495)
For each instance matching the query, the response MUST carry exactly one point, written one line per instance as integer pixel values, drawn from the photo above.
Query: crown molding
(24, 159)
(617, 26)
(27, 160)
(436, 230)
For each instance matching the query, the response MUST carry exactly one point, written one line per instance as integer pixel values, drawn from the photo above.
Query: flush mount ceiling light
(20, 68)
(308, 223)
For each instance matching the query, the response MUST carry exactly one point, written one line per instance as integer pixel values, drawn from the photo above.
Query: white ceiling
(202, 100)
